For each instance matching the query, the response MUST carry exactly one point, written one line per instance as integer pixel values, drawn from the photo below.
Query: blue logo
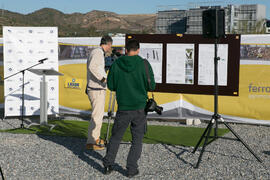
(30, 31)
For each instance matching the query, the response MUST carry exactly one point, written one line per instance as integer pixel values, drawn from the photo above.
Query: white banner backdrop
(23, 48)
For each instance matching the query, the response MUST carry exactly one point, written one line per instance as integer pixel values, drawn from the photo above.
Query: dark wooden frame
(233, 41)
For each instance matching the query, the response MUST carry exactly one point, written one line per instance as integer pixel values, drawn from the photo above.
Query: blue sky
(117, 6)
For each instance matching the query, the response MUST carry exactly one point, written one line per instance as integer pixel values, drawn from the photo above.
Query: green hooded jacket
(127, 77)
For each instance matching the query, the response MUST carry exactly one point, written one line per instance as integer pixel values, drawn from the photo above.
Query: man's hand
(103, 80)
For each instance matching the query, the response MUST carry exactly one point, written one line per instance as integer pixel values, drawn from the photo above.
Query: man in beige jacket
(96, 90)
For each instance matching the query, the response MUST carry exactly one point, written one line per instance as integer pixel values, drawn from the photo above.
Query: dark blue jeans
(137, 121)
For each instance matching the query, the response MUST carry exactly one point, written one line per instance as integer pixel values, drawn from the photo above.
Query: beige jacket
(96, 69)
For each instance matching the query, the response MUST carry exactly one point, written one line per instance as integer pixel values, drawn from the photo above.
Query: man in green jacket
(127, 77)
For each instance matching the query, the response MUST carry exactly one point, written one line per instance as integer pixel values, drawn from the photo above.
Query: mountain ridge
(93, 23)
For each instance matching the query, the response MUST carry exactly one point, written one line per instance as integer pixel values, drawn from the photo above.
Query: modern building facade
(238, 19)
(171, 22)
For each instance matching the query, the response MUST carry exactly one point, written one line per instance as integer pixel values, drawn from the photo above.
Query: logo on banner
(73, 83)
(41, 52)
(258, 91)
(20, 61)
(51, 80)
(51, 31)
(10, 51)
(9, 31)
(30, 31)
(41, 41)
(30, 51)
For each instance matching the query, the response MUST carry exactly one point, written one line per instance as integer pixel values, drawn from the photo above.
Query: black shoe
(131, 175)
(108, 170)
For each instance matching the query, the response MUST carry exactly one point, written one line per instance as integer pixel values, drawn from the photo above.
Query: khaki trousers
(97, 99)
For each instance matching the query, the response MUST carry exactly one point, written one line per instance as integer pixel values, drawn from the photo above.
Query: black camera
(152, 106)
(116, 53)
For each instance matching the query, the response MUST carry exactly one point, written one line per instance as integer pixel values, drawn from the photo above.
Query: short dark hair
(106, 39)
(133, 45)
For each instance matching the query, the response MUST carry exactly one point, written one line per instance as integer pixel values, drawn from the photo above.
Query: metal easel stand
(216, 118)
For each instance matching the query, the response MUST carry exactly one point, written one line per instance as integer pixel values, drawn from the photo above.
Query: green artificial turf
(185, 136)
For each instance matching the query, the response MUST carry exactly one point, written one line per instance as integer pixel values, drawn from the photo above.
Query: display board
(185, 63)
(23, 48)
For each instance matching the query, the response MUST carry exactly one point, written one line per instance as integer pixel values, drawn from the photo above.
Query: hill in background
(93, 23)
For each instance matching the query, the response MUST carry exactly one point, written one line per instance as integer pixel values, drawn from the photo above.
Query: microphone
(42, 60)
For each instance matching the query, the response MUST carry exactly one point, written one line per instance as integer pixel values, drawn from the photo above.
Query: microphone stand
(23, 72)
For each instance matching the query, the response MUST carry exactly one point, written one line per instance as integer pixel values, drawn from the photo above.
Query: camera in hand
(152, 106)
(117, 52)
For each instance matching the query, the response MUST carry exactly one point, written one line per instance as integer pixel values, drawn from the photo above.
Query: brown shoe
(100, 142)
(94, 147)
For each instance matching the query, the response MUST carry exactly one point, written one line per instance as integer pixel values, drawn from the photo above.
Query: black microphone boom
(42, 60)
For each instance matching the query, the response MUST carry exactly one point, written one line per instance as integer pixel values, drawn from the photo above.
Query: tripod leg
(241, 140)
(2, 175)
(108, 130)
(110, 114)
(109, 118)
(204, 145)
(196, 147)
(216, 130)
